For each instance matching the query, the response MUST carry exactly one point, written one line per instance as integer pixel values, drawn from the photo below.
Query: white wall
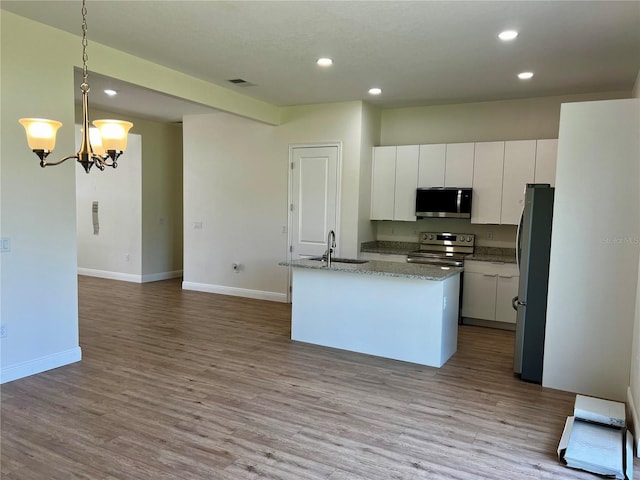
(116, 250)
(161, 196)
(235, 183)
(594, 250)
(38, 284)
(334, 122)
(634, 381)
(235, 188)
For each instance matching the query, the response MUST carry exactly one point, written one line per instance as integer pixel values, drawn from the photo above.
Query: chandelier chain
(85, 57)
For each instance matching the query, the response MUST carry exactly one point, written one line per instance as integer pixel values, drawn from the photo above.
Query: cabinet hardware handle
(490, 275)
(505, 276)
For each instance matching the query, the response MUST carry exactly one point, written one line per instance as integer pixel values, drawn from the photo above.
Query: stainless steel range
(443, 249)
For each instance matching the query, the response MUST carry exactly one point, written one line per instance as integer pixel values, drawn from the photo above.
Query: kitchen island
(401, 311)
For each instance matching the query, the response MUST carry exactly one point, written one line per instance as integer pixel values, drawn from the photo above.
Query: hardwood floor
(186, 385)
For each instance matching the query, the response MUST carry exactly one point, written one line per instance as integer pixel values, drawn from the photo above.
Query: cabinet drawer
(493, 268)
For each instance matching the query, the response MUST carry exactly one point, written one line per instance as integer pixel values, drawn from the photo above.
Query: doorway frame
(292, 147)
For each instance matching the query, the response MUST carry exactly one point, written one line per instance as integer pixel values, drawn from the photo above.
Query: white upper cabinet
(488, 162)
(383, 182)
(546, 156)
(459, 165)
(394, 179)
(406, 183)
(519, 167)
(497, 171)
(431, 167)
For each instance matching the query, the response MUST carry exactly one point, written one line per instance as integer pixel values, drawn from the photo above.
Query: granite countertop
(493, 254)
(378, 268)
(388, 247)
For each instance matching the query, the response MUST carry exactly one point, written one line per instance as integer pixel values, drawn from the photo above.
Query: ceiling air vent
(241, 82)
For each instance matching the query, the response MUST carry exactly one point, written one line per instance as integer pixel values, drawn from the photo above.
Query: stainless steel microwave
(445, 202)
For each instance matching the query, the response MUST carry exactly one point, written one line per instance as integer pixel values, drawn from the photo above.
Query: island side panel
(399, 318)
(451, 292)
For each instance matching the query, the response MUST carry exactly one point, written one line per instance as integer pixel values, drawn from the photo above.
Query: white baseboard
(156, 277)
(236, 292)
(125, 277)
(129, 277)
(39, 365)
(634, 420)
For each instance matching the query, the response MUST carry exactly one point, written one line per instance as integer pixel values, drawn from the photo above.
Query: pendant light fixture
(101, 146)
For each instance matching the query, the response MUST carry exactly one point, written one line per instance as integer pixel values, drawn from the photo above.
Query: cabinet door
(459, 165)
(507, 288)
(479, 295)
(546, 155)
(383, 179)
(487, 182)
(519, 167)
(406, 182)
(431, 166)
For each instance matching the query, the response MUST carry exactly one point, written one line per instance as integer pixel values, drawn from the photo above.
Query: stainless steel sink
(340, 260)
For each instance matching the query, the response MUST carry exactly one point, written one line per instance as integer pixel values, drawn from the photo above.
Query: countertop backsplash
(498, 236)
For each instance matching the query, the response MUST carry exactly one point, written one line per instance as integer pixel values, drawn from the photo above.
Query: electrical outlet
(197, 225)
(489, 235)
(5, 244)
(3, 331)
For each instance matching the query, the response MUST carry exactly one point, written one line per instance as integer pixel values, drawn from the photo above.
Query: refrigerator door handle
(515, 303)
(518, 232)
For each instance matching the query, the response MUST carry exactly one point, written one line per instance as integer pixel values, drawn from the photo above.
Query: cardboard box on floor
(595, 439)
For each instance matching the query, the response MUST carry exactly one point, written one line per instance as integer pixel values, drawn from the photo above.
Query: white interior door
(314, 199)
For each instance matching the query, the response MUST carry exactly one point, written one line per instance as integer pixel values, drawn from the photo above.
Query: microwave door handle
(459, 201)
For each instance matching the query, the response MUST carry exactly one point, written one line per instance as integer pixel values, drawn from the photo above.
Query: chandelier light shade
(101, 146)
(41, 133)
(113, 133)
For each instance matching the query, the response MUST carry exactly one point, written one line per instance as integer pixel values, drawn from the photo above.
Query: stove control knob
(463, 238)
(431, 236)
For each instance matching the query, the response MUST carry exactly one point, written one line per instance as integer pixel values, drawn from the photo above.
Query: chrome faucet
(331, 245)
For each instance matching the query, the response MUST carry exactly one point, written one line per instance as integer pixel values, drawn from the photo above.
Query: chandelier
(101, 146)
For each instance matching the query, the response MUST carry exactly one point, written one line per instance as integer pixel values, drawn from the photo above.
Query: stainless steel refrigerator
(533, 248)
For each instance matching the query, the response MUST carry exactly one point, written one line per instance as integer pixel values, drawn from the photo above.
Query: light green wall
(116, 64)
(523, 119)
(39, 284)
(370, 136)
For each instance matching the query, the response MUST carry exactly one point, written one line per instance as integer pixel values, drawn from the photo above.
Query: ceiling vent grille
(239, 82)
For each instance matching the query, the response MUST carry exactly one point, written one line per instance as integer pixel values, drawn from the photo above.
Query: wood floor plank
(188, 385)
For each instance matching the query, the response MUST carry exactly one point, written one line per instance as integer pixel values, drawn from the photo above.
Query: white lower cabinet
(488, 290)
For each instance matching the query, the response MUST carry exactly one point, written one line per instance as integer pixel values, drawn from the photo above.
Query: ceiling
(418, 52)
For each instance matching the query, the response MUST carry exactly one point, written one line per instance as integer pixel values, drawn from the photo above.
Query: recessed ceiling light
(110, 92)
(375, 91)
(507, 35)
(525, 75)
(324, 62)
